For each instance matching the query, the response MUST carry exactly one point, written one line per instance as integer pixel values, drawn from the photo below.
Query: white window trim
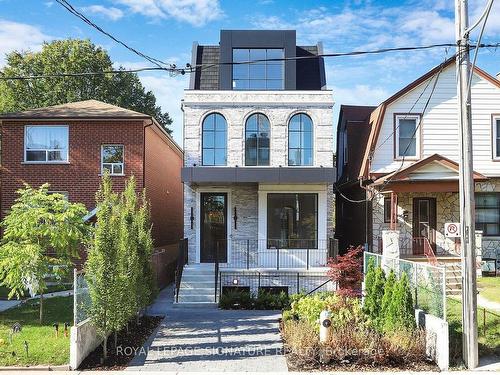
(113, 164)
(26, 161)
(417, 137)
(494, 140)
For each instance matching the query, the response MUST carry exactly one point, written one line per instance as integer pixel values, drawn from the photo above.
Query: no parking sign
(452, 230)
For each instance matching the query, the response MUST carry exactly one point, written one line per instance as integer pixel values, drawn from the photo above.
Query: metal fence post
(75, 299)
(277, 258)
(307, 258)
(298, 283)
(258, 282)
(443, 270)
(248, 254)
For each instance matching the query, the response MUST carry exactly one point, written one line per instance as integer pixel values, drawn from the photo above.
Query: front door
(424, 223)
(213, 227)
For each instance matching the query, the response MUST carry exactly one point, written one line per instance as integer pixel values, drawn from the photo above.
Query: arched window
(300, 140)
(214, 140)
(257, 140)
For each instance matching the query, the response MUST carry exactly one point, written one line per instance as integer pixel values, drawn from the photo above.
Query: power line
(82, 74)
(159, 63)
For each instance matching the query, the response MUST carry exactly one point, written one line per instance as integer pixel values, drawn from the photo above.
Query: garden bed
(129, 343)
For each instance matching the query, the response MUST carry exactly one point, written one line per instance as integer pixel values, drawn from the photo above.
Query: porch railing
(182, 259)
(275, 254)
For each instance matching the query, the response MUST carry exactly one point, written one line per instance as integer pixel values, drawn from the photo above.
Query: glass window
(387, 210)
(292, 220)
(46, 144)
(264, 74)
(488, 213)
(407, 136)
(496, 138)
(300, 140)
(214, 140)
(112, 159)
(257, 140)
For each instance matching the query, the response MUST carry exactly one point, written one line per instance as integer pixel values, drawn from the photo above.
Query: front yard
(43, 346)
(489, 288)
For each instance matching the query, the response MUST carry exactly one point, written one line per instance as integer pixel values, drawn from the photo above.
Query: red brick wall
(164, 187)
(81, 177)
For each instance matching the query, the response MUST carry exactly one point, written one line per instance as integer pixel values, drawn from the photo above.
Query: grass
(4, 291)
(44, 348)
(488, 330)
(489, 288)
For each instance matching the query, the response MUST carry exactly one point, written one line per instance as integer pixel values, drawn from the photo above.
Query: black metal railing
(251, 253)
(182, 259)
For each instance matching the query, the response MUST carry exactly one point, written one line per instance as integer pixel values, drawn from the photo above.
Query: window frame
(494, 136)
(213, 148)
(418, 123)
(269, 240)
(113, 164)
(265, 64)
(47, 150)
(301, 148)
(257, 145)
(497, 208)
(387, 212)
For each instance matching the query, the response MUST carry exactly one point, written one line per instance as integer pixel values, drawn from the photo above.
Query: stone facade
(236, 107)
(447, 210)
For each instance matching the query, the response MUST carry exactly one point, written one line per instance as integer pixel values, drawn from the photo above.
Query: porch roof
(277, 175)
(435, 173)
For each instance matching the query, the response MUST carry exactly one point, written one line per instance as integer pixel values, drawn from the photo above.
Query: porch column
(394, 211)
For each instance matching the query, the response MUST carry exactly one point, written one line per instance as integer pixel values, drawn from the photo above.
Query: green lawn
(489, 288)
(488, 331)
(43, 346)
(4, 291)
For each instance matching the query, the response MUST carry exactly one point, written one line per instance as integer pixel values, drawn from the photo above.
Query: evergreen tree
(369, 280)
(401, 314)
(373, 300)
(102, 269)
(386, 301)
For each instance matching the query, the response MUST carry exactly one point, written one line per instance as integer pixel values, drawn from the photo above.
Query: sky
(166, 30)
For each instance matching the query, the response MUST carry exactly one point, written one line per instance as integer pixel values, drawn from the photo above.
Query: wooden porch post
(394, 211)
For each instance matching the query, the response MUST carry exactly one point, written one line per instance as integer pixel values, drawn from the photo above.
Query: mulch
(129, 342)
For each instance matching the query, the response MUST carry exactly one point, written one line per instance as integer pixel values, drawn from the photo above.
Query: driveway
(207, 339)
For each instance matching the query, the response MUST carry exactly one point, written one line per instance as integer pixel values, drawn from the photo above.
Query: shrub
(301, 342)
(270, 301)
(236, 299)
(373, 300)
(401, 313)
(309, 308)
(345, 270)
(386, 299)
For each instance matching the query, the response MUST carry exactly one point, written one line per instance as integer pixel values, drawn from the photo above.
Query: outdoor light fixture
(192, 218)
(235, 217)
(235, 281)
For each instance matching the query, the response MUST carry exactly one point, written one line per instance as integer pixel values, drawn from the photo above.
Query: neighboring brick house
(258, 167)
(70, 145)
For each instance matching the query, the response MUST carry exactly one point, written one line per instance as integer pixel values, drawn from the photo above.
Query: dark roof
(308, 71)
(355, 119)
(82, 109)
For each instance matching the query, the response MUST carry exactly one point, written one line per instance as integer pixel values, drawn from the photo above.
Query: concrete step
(197, 291)
(195, 305)
(196, 298)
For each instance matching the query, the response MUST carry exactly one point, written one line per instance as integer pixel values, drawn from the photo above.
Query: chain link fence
(81, 297)
(428, 282)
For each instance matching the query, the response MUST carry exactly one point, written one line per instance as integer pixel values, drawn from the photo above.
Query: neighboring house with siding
(409, 167)
(69, 146)
(258, 163)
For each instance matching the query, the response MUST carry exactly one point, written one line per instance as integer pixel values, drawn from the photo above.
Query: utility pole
(466, 188)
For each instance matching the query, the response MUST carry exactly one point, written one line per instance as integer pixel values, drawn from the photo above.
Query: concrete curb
(36, 368)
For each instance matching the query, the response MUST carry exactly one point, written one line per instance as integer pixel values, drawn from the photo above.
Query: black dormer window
(266, 73)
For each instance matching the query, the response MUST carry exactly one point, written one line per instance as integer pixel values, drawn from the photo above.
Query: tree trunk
(41, 308)
(105, 348)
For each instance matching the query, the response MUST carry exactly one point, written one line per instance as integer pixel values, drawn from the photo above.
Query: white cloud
(19, 36)
(168, 92)
(361, 94)
(195, 12)
(111, 13)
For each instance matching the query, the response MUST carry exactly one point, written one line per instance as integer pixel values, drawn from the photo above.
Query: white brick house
(258, 146)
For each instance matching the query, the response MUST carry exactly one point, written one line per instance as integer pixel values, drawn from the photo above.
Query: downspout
(368, 193)
(144, 154)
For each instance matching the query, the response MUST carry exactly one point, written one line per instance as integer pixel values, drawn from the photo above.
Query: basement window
(112, 159)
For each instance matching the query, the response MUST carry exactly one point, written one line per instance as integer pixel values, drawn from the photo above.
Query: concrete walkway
(208, 339)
